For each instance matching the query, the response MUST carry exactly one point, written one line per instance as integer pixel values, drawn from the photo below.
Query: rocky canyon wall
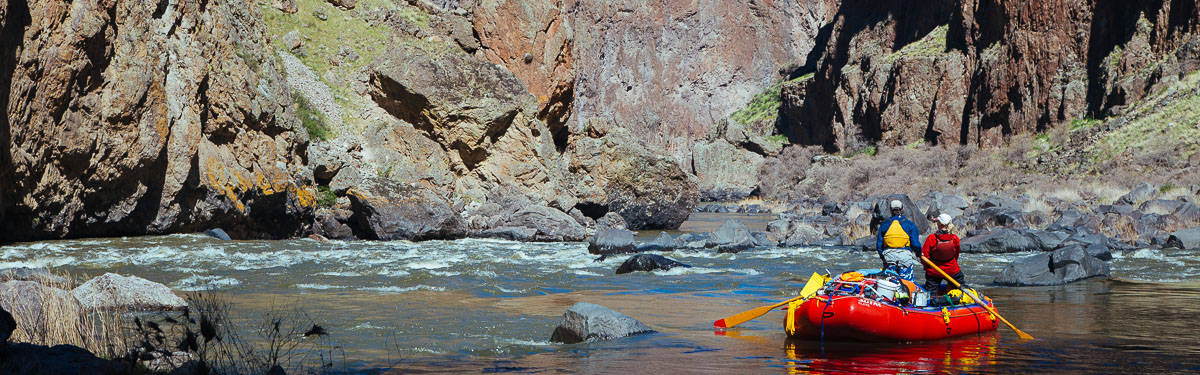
(979, 71)
(125, 117)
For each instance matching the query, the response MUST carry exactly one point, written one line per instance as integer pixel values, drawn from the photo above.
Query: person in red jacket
(942, 248)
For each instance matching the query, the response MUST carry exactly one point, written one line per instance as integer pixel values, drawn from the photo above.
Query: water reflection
(962, 355)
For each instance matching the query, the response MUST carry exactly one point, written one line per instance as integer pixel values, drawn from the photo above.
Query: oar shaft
(978, 301)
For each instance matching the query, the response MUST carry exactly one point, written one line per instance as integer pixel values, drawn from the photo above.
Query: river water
(490, 306)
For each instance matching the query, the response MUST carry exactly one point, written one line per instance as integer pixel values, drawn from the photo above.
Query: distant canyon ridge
(526, 120)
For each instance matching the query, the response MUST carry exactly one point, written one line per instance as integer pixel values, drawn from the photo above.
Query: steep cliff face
(132, 117)
(670, 71)
(978, 72)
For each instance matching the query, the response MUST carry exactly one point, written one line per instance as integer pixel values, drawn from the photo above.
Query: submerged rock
(590, 322)
(608, 241)
(115, 292)
(1062, 266)
(648, 262)
(217, 233)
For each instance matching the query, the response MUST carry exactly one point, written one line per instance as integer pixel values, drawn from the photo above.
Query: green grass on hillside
(931, 45)
(1169, 123)
(313, 120)
(765, 105)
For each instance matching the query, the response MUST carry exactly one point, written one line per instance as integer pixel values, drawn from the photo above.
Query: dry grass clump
(48, 314)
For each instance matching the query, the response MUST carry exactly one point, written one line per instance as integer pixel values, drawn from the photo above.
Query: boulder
(1100, 251)
(39, 275)
(1000, 241)
(590, 322)
(1160, 206)
(763, 239)
(882, 211)
(648, 262)
(663, 242)
(1062, 266)
(627, 177)
(732, 237)
(695, 240)
(1047, 240)
(1185, 239)
(522, 234)
(995, 216)
(950, 204)
(31, 304)
(1187, 213)
(802, 234)
(611, 220)
(1141, 193)
(1002, 202)
(608, 241)
(111, 291)
(333, 223)
(551, 224)
(778, 229)
(388, 210)
(217, 233)
(1118, 209)
(286, 6)
(344, 4)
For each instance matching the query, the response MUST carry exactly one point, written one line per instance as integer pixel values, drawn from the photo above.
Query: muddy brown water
(489, 306)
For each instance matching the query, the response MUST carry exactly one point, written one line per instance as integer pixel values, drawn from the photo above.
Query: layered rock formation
(979, 71)
(132, 117)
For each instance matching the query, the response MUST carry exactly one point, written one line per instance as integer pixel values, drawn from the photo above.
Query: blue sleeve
(913, 235)
(883, 227)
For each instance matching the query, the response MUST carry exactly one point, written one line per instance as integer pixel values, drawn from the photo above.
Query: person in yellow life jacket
(899, 243)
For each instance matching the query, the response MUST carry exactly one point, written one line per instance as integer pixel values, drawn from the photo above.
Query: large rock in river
(1002, 241)
(647, 189)
(733, 236)
(1185, 239)
(111, 291)
(388, 210)
(648, 262)
(590, 322)
(551, 224)
(608, 241)
(1062, 266)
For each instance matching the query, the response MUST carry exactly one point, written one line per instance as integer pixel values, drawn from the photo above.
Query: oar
(814, 284)
(978, 300)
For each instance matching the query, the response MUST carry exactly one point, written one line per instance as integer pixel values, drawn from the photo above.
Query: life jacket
(942, 251)
(896, 237)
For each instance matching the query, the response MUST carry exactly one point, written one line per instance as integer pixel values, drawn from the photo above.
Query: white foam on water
(396, 289)
(318, 286)
(444, 273)
(484, 274)
(206, 282)
(584, 273)
(364, 326)
(506, 290)
(49, 262)
(340, 274)
(394, 273)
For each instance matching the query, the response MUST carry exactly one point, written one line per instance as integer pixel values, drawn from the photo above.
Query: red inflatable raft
(860, 318)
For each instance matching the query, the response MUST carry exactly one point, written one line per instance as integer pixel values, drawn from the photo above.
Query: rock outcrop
(648, 262)
(980, 71)
(387, 210)
(135, 117)
(1062, 266)
(590, 322)
(111, 291)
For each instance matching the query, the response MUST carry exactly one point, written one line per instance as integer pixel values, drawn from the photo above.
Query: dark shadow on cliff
(1114, 23)
(812, 123)
(12, 35)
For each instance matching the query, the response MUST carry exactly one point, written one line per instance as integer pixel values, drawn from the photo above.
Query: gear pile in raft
(877, 305)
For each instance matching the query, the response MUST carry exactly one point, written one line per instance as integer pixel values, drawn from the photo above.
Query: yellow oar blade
(814, 284)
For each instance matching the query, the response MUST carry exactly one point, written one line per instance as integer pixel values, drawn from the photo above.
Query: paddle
(814, 284)
(978, 300)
